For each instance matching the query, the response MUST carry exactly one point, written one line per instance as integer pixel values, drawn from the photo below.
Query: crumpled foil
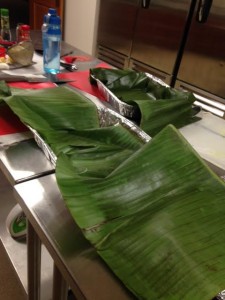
(156, 79)
(221, 296)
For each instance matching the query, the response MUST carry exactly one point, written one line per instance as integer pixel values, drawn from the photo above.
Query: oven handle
(145, 3)
(203, 11)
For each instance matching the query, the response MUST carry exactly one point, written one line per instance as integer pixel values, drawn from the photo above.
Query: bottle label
(5, 31)
(4, 22)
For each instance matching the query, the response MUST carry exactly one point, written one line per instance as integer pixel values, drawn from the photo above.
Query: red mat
(9, 122)
(81, 80)
(29, 85)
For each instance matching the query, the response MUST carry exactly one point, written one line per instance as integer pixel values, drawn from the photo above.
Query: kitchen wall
(80, 24)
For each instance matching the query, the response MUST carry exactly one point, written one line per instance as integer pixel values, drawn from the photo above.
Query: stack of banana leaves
(156, 105)
(153, 211)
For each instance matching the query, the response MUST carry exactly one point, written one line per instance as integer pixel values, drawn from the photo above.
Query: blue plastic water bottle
(51, 35)
(51, 12)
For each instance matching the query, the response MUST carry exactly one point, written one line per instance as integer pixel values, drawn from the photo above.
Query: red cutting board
(9, 122)
(81, 80)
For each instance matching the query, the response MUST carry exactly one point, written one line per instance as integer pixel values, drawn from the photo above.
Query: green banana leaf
(157, 219)
(69, 123)
(4, 90)
(55, 108)
(96, 152)
(119, 79)
(157, 105)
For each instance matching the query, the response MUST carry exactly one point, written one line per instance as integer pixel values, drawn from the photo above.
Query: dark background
(18, 11)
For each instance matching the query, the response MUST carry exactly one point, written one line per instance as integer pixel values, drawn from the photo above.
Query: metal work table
(50, 223)
(24, 161)
(76, 262)
(20, 162)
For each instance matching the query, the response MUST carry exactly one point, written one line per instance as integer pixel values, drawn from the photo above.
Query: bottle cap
(52, 11)
(4, 12)
(2, 51)
(25, 27)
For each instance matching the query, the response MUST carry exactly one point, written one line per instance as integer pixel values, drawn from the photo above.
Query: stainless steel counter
(74, 257)
(76, 263)
(24, 161)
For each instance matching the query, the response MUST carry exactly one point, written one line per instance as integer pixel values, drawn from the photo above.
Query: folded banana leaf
(119, 79)
(55, 109)
(69, 123)
(157, 105)
(157, 219)
(95, 152)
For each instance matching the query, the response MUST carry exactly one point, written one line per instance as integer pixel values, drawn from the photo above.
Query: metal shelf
(17, 250)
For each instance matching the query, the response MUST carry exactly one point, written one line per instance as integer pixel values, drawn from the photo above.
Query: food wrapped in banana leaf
(22, 53)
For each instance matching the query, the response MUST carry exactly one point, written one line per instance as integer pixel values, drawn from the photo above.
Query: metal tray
(126, 110)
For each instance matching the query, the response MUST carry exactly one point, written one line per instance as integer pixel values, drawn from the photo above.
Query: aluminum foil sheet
(156, 79)
(221, 296)
(107, 117)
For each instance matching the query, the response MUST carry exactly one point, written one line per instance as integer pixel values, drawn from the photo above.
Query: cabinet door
(38, 8)
(116, 24)
(203, 62)
(158, 33)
